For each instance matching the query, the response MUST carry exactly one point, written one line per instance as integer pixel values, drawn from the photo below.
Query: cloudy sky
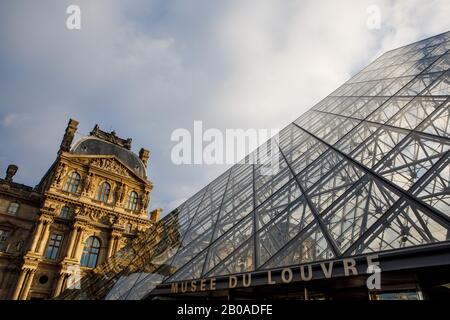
(147, 67)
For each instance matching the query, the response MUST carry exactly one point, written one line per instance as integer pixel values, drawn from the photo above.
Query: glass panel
(331, 187)
(242, 260)
(391, 107)
(435, 191)
(276, 204)
(284, 228)
(350, 218)
(415, 112)
(309, 246)
(407, 226)
(413, 158)
(439, 123)
(377, 146)
(224, 246)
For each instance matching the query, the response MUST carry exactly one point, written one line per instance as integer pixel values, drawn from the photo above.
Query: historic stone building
(91, 202)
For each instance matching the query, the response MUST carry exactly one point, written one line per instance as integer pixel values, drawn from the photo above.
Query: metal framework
(365, 170)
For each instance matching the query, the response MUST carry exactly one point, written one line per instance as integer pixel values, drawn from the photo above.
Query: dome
(93, 146)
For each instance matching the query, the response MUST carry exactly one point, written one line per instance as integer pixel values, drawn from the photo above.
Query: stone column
(27, 286)
(78, 244)
(110, 247)
(59, 284)
(36, 236)
(19, 284)
(116, 244)
(44, 239)
(73, 236)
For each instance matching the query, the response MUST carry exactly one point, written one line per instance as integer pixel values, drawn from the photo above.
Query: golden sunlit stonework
(92, 201)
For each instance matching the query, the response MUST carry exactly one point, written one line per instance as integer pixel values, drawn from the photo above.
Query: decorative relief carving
(87, 184)
(111, 165)
(80, 211)
(119, 193)
(144, 202)
(59, 174)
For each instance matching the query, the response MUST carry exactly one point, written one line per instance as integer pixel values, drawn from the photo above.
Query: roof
(94, 146)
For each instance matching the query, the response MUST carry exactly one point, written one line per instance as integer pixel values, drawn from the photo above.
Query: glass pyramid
(365, 170)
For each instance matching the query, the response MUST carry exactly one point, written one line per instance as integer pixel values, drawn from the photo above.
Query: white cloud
(147, 67)
(14, 119)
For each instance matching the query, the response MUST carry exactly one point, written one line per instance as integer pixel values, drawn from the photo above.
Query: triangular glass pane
(398, 84)
(241, 260)
(282, 229)
(369, 107)
(229, 242)
(338, 132)
(412, 160)
(443, 64)
(377, 146)
(334, 185)
(320, 168)
(193, 270)
(439, 123)
(270, 176)
(415, 112)
(387, 110)
(277, 203)
(357, 136)
(350, 218)
(435, 191)
(310, 245)
(419, 84)
(328, 124)
(291, 138)
(238, 199)
(305, 154)
(441, 87)
(185, 254)
(406, 226)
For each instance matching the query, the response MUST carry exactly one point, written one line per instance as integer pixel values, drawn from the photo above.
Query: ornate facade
(91, 202)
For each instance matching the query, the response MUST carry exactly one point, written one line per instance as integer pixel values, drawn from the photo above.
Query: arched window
(90, 252)
(3, 240)
(132, 201)
(103, 192)
(13, 208)
(65, 212)
(72, 182)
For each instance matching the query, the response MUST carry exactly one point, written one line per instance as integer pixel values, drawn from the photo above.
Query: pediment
(109, 163)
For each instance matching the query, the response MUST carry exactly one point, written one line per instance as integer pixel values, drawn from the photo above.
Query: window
(43, 279)
(103, 192)
(90, 252)
(3, 237)
(132, 201)
(72, 182)
(407, 294)
(65, 212)
(53, 246)
(13, 208)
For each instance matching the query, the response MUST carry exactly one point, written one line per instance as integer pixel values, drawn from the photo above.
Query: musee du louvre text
(286, 275)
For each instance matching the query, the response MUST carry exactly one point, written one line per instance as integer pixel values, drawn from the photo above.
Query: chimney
(155, 215)
(144, 155)
(10, 172)
(68, 135)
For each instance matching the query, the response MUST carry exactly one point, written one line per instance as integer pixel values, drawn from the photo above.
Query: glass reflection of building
(366, 170)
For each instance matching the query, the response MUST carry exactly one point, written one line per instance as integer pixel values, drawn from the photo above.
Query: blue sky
(147, 67)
